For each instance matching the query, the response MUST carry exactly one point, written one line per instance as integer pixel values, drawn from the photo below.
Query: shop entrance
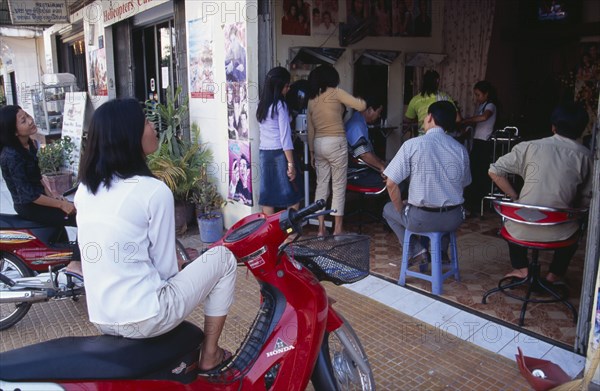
(154, 61)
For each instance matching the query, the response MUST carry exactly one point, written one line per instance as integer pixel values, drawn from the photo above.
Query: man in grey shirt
(557, 172)
(438, 167)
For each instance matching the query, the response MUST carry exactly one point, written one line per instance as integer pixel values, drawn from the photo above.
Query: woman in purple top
(280, 185)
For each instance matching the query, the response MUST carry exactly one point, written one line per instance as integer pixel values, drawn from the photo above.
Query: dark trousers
(52, 217)
(480, 159)
(560, 261)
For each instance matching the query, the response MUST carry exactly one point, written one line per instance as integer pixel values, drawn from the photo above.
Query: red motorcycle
(31, 258)
(296, 336)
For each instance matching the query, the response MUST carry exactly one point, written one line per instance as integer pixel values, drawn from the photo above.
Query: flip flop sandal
(225, 358)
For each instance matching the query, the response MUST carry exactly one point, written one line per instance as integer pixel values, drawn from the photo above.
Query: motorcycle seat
(104, 357)
(17, 222)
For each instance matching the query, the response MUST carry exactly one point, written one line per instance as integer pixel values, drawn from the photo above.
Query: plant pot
(58, 183)
(210, 226)
(184, 214)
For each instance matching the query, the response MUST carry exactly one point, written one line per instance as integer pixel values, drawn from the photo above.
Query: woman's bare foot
(211, 360)
(518, 273)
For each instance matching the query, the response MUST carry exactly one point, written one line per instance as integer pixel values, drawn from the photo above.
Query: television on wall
(557, 11)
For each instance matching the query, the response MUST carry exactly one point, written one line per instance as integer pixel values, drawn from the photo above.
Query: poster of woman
(235, 51)
(240, 172)
(296, 17)
(324, 17)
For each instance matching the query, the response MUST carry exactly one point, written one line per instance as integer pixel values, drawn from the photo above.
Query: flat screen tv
(558, 11)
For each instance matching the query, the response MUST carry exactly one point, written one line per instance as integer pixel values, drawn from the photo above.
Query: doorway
(154, 61)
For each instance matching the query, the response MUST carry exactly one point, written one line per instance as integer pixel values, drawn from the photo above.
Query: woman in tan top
(327, 139)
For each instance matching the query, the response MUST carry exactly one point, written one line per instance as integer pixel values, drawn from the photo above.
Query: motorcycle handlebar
(292, 219)
(307, 211)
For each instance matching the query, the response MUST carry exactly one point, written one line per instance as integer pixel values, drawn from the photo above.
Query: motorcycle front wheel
(344, 358)
(12, 267)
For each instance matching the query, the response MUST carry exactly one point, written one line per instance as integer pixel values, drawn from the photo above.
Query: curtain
(467, 32)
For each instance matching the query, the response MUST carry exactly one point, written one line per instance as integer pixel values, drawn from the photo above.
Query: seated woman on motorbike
(32, 200)
(127, 240)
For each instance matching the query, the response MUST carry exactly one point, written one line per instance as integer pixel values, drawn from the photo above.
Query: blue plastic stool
(436, 278)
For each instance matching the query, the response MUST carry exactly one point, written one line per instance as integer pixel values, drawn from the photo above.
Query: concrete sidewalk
(405, 353)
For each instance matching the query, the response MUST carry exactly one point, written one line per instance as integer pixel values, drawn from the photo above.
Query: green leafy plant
(167, 119)
(181, 173)
(207, 199)
(54, 156)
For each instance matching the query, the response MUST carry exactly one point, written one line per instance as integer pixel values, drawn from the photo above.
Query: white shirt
(438, 167)
(484, 129)
(127, 239)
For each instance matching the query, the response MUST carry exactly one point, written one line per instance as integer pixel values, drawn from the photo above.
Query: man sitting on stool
(557, 172)
(438, 167)
(357, 134)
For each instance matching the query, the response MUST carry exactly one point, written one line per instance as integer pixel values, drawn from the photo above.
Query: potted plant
(53, 159)
(208, 207)
(181, 173)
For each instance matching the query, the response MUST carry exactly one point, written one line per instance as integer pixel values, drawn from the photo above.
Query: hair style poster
(324, 17)
(296, 17)
(98, 83)
(587, 78)
(237, 111)
(596, 338)
(200, 41)
(235, 51)
(240, 172)
(391, 18)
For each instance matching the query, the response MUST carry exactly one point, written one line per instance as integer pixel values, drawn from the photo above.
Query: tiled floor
(483, 260)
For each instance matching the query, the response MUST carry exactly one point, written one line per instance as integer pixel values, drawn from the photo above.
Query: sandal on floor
(225, 358)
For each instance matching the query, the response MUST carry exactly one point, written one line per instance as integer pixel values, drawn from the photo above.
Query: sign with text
(114, 11)
(38, 11)
(73, 121)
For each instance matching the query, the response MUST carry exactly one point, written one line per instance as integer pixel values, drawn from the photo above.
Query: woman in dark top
(19, 164)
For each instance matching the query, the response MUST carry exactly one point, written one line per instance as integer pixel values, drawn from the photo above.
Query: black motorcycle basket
(341, 259)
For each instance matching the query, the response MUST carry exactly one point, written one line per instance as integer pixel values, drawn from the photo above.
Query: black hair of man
(372, 101)
(443, 113)
(569, 120)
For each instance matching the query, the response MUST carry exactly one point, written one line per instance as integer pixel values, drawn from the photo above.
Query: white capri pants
(331, 164)
(210, 278)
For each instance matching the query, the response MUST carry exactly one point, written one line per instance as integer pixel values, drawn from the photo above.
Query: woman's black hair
(487, 88)
(271, 94)
(430, 83)
(114, 144)
(321, 78)
(8, 127)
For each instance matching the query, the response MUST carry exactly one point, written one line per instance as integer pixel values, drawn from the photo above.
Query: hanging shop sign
(114, 11)
(38, 12)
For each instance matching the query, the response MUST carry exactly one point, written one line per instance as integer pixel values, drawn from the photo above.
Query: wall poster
(240, 172)
(391, 18)
(587, 79)
(200, 41)
(324, 17)
(98, 85)
(296, 17)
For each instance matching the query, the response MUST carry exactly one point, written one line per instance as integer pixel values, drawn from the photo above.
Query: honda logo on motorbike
(280, 347)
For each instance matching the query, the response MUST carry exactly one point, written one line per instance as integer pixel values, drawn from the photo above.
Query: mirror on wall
(371, 74)
(305, 59)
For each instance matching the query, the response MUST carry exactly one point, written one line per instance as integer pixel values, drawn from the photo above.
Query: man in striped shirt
(438, 167)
